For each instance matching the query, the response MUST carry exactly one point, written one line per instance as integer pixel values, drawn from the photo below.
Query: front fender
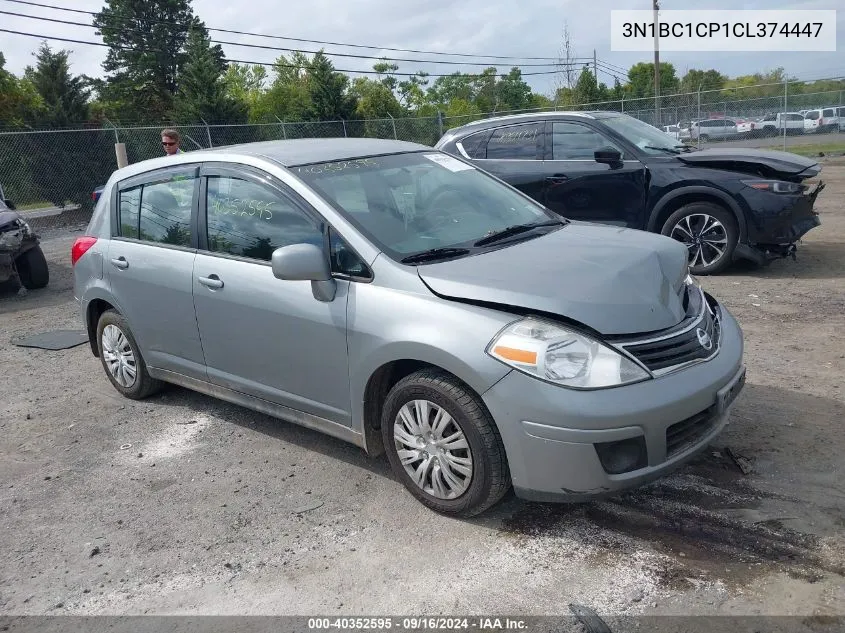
(704, 191)
(386, 326)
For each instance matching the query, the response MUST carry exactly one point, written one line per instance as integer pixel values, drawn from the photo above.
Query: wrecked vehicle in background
(21, 256)
(723, 204)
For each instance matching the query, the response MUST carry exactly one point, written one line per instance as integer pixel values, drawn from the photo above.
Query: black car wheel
(708, 231)
(32, 269)
(443, 445)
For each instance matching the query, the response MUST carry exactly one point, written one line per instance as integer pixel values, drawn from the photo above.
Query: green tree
(330, 99)
(641, 79)
(586, 89)
(65, 97)
(19, 100)
(202, 94)
(245, 84)
(513, 92)
(146, 40)
(704, 80)
(288, 97)
(375, 100)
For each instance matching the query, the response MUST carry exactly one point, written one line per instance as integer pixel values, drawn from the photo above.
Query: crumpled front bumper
(553, 435)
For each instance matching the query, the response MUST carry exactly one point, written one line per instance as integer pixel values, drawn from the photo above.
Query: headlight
(775, 186)
(562, 356)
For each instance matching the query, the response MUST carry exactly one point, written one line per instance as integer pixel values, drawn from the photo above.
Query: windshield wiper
(434, 254)
(516, 229)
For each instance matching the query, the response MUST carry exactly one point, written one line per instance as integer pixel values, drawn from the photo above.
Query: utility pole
(595, 67)
(656, 65)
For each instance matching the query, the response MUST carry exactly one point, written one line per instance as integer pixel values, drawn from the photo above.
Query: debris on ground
(589, 618)
(743, 463)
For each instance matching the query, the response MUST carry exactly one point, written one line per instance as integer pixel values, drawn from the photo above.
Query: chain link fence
(51, 174)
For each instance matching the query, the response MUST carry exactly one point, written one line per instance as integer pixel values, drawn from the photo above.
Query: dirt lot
(214, 509)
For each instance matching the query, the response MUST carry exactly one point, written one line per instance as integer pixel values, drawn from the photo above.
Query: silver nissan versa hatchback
(403, 300)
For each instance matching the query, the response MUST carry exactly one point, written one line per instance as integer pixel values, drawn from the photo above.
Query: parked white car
(821, 120)
(774, 124)
(673, 130)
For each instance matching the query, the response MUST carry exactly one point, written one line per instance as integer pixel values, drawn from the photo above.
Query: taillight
(80, 247)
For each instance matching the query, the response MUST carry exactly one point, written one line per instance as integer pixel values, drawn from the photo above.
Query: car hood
(613, 280)
(773, 163)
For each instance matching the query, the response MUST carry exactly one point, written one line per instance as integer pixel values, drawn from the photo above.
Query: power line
(273, 48)
(249, 62)
(309, 41)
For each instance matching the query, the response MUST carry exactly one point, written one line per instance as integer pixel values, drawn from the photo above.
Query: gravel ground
(185, 505)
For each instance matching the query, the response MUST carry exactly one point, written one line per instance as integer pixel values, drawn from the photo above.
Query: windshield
(412, 203)
(646, 137)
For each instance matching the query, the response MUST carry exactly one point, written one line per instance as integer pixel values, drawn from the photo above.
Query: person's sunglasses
(166, 144)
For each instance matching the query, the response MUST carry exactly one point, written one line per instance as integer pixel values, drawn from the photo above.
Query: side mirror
(608, 155)
(10, 204)
(305, 262)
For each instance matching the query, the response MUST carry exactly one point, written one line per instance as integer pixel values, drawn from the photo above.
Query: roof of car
(316, 150)
(529, 116)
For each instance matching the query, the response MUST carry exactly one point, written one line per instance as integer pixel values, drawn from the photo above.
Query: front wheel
(708, 231)
(32, 269)
(443, 445)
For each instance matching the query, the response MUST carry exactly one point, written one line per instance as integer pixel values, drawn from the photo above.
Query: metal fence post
(207, 133)
(344, 128)
(785, 108)
(392, 120)
(284, 134)
(440, 123)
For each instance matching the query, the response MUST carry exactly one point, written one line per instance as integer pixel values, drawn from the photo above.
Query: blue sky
(484, 27)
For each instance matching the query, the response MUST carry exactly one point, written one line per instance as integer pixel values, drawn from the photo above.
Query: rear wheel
(121, 358)
(443, 445)
(708, 231)
(32, 269)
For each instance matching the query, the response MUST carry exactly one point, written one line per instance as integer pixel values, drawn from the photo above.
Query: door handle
(557, 178)
(120, 262)
(212, 281)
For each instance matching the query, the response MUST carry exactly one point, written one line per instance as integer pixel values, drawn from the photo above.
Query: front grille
(685, 433)
(697, 338)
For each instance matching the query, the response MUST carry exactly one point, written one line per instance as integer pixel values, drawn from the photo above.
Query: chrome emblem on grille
(704, 339)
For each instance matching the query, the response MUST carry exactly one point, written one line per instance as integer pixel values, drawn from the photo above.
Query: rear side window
(166, 211)
(516, 142)
(128, 210)
(828, 112)
(812, 115)
(247, 219)
(475, 145)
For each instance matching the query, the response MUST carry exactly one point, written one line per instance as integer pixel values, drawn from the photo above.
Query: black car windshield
(647, 138)
(411, 203)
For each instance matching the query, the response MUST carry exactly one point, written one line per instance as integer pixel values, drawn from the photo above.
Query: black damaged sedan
(606, 167)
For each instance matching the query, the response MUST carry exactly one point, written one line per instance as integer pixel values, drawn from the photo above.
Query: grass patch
(813, 151)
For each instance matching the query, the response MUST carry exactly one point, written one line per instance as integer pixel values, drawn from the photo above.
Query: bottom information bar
(584, 621)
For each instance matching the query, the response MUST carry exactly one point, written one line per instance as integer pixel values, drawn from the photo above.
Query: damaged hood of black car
(767, 163)
(613, 280)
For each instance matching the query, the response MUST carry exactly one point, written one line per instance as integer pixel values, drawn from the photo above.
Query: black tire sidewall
(720, 213)
(33, 270)
(480, 486)
(142, 383)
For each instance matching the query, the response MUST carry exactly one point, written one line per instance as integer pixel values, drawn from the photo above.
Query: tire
(692, 219)
(32, 269)
(488, 479)
(110, 328)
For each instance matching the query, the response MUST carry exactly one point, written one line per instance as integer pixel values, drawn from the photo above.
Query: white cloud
(531, 28)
